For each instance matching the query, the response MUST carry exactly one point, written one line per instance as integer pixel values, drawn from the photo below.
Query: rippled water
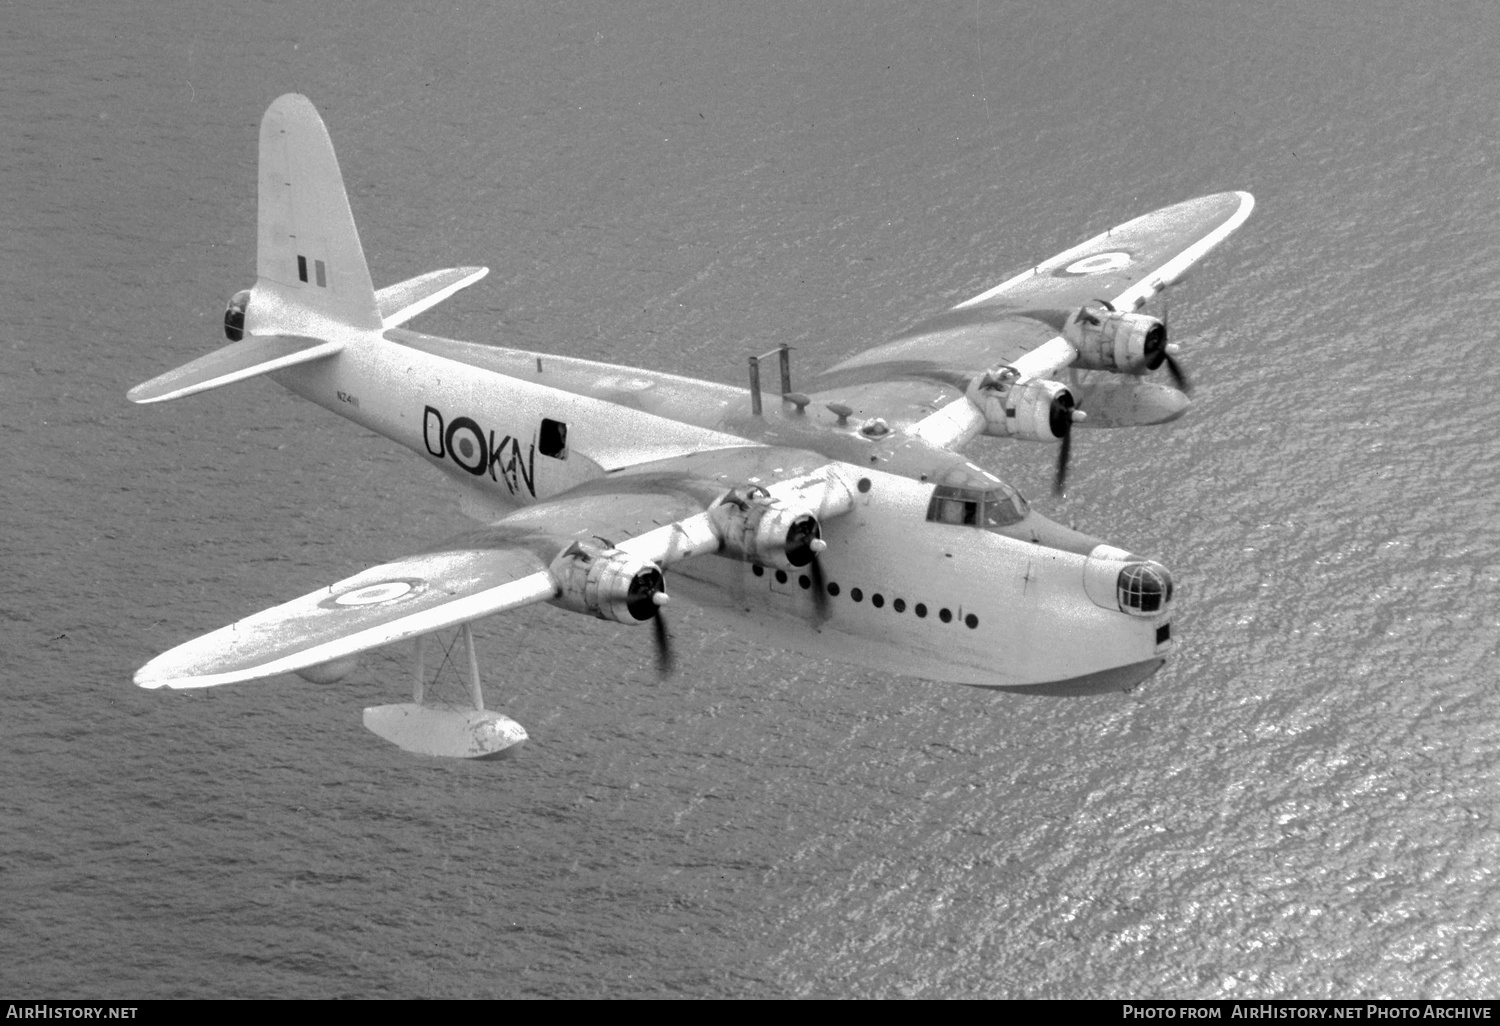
(1301, 804)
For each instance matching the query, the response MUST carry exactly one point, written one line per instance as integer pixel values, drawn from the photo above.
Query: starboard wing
(1127, 264)
(657, 512)
(1025, 314)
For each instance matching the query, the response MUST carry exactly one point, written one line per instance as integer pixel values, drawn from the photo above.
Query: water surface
(1302, 804)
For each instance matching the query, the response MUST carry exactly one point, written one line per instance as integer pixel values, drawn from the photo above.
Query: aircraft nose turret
(1138, 637)
(1116, 579)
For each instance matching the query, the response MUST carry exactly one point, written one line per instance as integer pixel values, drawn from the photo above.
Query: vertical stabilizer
(310, 264)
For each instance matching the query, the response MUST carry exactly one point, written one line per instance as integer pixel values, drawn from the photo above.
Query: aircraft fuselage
(952, 602)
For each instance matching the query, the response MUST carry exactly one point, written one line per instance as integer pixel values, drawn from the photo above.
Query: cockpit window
(973, 507)
(954, 506)
(1004, 506)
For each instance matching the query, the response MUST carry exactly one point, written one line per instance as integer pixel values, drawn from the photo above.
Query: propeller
(819, 585)
(1165, 349)
(803, 544)
(665, 664)
(1159, 347)
(646, 598)
(1060, 479)
(1060, 419)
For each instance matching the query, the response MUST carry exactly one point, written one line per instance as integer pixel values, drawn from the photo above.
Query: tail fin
(312, 278)
(310, 264)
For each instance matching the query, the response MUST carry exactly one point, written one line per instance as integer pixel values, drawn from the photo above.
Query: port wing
(639, 521)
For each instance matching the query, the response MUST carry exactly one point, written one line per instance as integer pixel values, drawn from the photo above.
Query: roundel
(466, 445)
(1098, 263)
(375, 594)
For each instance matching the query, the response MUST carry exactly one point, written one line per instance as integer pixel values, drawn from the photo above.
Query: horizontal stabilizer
(256, 354)
(401, 302)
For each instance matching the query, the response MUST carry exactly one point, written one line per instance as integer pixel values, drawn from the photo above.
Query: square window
(554, 440)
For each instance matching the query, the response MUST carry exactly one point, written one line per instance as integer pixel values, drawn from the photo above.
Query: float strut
(417, 683)
(475, 693)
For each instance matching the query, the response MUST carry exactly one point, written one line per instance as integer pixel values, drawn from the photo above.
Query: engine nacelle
(1128, 343)
(1039, 410)
(608, 583)
(768, 531)
(234, 315)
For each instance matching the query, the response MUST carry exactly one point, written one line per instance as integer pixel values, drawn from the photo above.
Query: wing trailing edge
(251, 356)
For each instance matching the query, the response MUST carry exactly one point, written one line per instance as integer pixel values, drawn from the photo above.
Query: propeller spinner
(646, 599)
(803, 544)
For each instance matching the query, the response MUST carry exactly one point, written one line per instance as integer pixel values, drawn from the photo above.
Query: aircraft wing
(1019, 321)
(639, 520)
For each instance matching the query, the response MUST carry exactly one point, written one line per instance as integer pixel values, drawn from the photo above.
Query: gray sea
(1302, 804)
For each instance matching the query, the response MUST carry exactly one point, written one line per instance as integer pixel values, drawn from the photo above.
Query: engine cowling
(768, 530)
(234, 315)
(609, 584)
(1039, 410)
(1106, 339)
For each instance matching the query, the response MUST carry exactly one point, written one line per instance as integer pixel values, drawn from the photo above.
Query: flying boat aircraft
(842, 521)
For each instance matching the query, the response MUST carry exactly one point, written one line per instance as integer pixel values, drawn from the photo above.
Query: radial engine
(608, 583)
(766, 530)
(1038, 409)
(1112, 340)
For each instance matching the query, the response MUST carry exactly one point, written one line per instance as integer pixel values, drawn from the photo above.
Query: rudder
(310, 265)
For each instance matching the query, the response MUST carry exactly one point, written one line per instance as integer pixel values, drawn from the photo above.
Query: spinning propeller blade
(804, 542)
(665, 664)
(819, 588)
(1060, 479)
(1064, 413)
(1180, 379)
